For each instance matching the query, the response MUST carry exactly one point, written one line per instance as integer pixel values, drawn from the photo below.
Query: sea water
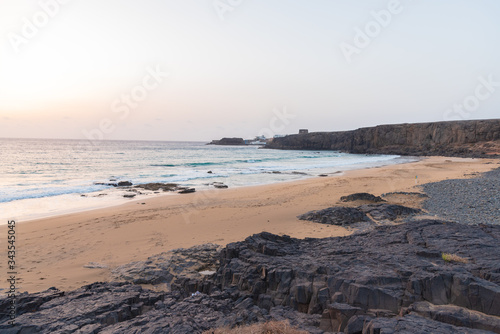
(43, 177)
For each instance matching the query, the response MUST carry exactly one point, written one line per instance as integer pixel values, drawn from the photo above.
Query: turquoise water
(33, 170)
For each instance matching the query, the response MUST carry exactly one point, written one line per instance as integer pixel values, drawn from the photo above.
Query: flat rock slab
(339, 215)
(414, 324)
(362, 197)
(176, 267)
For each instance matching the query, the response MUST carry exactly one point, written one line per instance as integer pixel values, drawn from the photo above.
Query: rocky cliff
(476, 138)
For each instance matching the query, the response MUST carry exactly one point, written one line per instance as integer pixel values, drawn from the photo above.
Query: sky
(205, 69)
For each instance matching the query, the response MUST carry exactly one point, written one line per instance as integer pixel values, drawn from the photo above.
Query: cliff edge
(474, 138)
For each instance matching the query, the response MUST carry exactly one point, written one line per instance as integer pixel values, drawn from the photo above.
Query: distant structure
(303, 131)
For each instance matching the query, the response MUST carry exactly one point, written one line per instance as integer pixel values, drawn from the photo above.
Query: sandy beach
(54, 251)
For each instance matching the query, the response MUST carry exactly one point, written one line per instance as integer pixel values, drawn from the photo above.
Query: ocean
(45, 177)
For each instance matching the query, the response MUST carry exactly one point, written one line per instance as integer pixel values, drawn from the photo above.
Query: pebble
(468, 201)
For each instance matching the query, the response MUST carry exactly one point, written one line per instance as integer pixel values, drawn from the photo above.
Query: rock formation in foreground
(392, 279)
(475, 138)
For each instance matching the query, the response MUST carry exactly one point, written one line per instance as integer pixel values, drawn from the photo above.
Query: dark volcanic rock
(157, 186)
(194, 314)
(114, 184)
(361, 197)
(124, 184)
(183, 269)
(475, 138)
(338, 215)
(388, 211)
(458, 316)
(389, 280)
(29, 302)
(414, 324)
(220, 185)
(387, 269)
(124, 308)
(186, 190)
(88, 309)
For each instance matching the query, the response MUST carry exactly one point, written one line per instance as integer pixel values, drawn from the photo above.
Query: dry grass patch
(271, 327)
(453, 258)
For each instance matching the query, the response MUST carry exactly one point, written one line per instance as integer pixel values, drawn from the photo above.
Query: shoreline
(113, 199)
(53, 251)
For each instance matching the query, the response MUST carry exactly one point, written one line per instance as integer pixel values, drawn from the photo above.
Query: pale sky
(77, 68)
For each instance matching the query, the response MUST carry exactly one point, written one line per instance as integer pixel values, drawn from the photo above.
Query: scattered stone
(469, 201)
(124, 184)
(119, 184)
(184, 190)
(361, 197)
(219, 185)
(210, 172)
(338, 215)
(129, 195)
(322, 175)
(95, 265)
(158, 186)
